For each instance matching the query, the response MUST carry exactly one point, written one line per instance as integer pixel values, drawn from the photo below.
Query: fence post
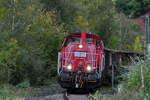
(147, 25)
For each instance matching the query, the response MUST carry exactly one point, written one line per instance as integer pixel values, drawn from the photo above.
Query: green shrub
(134, 76)
(24, 84)
(133, 80)
(8, 92)
(96, 96)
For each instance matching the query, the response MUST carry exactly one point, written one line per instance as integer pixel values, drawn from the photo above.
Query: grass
(23, 90)
(8, 92)
(125, 95)
(132, 83)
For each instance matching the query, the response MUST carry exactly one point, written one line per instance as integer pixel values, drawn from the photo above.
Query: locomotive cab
(81, 61)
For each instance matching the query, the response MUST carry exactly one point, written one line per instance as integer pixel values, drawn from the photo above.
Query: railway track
(45, 94)
(60, 94)
(68, 96)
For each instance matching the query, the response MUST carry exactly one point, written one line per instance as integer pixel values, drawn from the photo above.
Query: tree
(2, 10)
(9, 54)
(96, 16)
(8, 50)
(128, 31)
(38, 39)
(104, 23)
(137, 45)
(133, 8)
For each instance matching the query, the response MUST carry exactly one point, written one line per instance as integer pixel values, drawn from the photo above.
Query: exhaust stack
(83, 37)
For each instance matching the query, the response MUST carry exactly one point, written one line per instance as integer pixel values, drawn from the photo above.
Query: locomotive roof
(79, 34)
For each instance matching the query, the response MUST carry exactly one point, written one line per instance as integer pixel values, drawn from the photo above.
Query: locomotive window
(77, 40)
(72, 39)
(98, 45)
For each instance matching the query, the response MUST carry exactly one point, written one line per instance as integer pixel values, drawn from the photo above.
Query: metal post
(147, 24)
(59, 63)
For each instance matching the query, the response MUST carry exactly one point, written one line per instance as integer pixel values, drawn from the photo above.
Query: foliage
(133, 8)
(93, 16)
(96, 96)
(137, 45)
(98, 17)
(10, 93)
(104, 23)
(29, 51)
(24, 84)
(133, 80)
(2, 10)
(134, 76)
(47, 40)
(9, 54)
(129, 30)
(132, 83)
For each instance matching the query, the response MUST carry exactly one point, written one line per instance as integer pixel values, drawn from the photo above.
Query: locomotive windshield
(77, 39)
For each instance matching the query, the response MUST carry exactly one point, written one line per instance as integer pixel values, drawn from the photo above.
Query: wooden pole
(112, 76)
(142, 77)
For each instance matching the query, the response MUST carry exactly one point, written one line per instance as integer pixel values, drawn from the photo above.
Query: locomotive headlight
(80, 46)
(89, 68)
(69, 67)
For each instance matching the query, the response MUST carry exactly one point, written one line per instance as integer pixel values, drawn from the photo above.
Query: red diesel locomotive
(81, 61)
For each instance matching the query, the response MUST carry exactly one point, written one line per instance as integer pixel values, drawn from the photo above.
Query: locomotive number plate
(80, 54)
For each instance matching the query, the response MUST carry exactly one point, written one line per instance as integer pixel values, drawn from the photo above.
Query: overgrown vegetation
(133, 8)
(29, 44)
(138, 80)
(8, 92)
(136, 84)
(32, 31)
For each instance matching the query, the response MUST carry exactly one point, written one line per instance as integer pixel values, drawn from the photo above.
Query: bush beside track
(132, 83)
